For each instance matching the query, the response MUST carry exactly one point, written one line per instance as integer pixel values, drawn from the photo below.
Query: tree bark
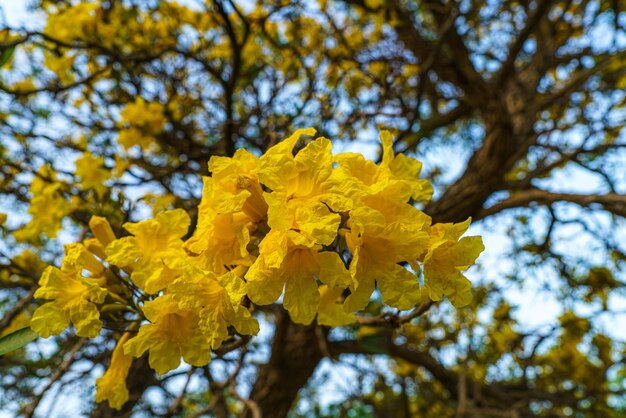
(483, 175)
(296, 352)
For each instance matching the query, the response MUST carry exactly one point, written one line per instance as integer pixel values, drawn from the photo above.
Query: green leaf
(17, 339)
(6, 55)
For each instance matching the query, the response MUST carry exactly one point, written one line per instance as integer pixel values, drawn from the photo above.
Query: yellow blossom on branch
(173, 332)
(92, 173)
(48, 206)
(323, 231)
(448, 255)
(141, 122)
(301, 197)
(378, 247)
(288, 261)
(73, 297)
(153, 250)
(112, 385)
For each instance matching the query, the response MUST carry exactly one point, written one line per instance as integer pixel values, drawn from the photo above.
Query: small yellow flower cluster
(120, 27)
(73, 296)
(48, 207)
(308, 225)
(74, 23)
(92, 173)
(141, 122)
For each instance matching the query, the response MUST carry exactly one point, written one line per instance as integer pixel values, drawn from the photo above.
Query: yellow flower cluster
(124, 28)
(141, 122)
(48, 207)
(307, 224)
(74, 23)
(73, 296)
(92, 173)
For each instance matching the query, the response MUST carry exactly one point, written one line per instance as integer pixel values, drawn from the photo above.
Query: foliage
(288, 263)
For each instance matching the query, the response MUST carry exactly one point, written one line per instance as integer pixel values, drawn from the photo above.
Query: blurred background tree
(113, 108)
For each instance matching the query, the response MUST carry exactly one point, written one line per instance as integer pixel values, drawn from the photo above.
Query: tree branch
(520, 40)
(612, 202)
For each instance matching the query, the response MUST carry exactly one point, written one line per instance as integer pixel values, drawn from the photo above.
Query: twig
(60, 371)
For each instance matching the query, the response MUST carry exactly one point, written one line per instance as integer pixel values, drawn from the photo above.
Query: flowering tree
(218, 252)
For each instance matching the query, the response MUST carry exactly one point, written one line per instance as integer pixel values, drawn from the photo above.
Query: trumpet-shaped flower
(288, 260)
(221, 238)
(217, 300)
(235, 186)
(154, 251)
(331, 312)
(446, 258)
(173, 332)
(72, 298)
(79, 258)
(377, 248)
(103, 236)
(397, 176)
(301, 198)
(111, 386)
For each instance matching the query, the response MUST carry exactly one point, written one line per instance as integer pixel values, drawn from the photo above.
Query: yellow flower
(143, 121)
(378, 246)
(288, 260)
(146, 115)
(73, 297)
(235, 186)
(79, 258)
(154, 251)
(103, 236)
(92, 173)
(446, 258)
(331, 311)
(232, 205)
(217, 300)
(396, 178)
(101, 229)
(301, 197)
(172, 332)
(220, 239)
(111, 386)
(72, 23)
(48, 207)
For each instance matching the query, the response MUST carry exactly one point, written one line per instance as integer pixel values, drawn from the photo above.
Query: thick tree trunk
(483, 176)
(296, 352)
